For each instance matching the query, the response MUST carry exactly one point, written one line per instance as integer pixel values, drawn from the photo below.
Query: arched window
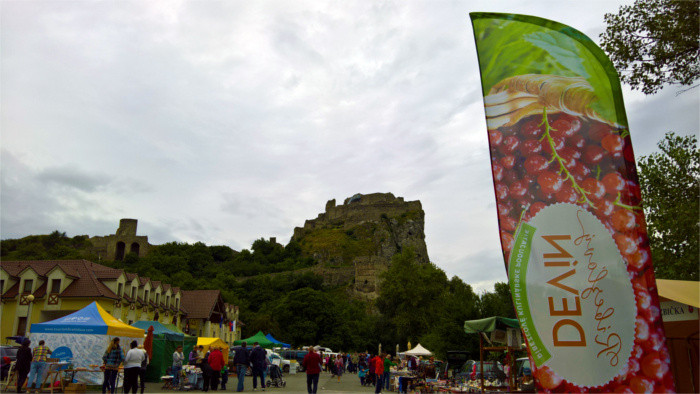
(135, 248)
(119, 254)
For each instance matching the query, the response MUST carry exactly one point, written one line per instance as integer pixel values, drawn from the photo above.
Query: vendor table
(55, 374)
(405, 383)
(194, 379)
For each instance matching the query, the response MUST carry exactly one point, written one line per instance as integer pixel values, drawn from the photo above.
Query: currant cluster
(560, 158)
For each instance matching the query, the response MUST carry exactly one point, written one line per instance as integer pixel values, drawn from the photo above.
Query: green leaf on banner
(578, 59)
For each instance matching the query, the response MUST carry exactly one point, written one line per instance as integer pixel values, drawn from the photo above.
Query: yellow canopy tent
(209, 343)
(683, 291)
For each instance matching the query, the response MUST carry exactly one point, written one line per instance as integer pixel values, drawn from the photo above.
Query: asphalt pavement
(296, 383)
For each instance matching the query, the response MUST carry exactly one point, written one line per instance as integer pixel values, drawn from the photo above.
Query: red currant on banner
(550, 182)
(612, 143)
(495, 137)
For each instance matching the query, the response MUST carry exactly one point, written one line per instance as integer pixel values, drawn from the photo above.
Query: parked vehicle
(457, 359)
(276, 359)
(493, 370)
(523, 375)
(9, 351)
(295, 355)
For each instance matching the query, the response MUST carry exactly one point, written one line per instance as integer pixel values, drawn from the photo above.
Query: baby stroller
(276, 377)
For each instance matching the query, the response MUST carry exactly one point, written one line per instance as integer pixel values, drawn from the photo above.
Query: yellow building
(39, 291)
(209, 316)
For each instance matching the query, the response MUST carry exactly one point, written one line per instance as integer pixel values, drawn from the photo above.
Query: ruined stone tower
(116, 246)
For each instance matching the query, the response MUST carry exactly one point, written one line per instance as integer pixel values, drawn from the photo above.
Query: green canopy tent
(260, 338)
(165, 341)
(188, 343)
(490, 324)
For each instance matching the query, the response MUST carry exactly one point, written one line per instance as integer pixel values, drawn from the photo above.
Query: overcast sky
(227, 121)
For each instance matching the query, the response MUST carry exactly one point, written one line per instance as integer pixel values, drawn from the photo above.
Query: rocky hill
(354, 242)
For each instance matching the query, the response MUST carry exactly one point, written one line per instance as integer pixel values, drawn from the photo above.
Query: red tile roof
(110, 273)
(41, 291)
(12, 291)
(199, 304)
(86, 283)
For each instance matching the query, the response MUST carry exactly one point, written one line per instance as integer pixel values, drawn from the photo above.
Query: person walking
(36, 370)
(144, 367)
(312, 364)
(370, 370)
(362, 371)
(206, 370)
(378, 366)
(258, 359)
(132, 367)
(339, 366)
(216, 363)
(178, 359)
(224, 377)
(242, 361)
(112, 359)
(23, 363)
(387, 371)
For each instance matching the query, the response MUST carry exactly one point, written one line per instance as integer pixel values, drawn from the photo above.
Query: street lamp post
(30, 300)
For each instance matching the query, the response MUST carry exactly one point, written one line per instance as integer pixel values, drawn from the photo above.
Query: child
(362, 374)
(224, 377)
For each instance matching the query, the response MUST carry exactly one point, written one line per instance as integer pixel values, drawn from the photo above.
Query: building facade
(40, 291)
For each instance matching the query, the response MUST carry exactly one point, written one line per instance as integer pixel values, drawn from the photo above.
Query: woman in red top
(312, 363)
(377, 363)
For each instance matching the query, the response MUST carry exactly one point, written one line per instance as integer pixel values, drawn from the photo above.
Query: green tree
(410, 296)
(654, 42)
(670, 183)
(498, 303)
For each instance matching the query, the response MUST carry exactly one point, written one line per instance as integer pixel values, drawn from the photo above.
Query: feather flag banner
(570, 214)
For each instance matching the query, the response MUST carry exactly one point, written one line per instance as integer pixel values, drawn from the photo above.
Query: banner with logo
(569, 208)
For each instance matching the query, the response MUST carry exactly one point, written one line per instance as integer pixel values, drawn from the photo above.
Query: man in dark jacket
(242, 361)
(23, 363)
(258, 358)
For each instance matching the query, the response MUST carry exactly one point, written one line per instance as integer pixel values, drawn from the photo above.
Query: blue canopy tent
(83, 336)
(284, 345)
(165, 341)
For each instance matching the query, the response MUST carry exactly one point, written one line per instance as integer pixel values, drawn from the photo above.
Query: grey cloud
(73, 177)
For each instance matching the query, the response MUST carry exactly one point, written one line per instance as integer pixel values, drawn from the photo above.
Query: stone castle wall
(398, 224)
(123, 242)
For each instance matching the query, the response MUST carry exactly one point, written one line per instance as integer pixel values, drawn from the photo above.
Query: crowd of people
(211, 363)
(372, 370)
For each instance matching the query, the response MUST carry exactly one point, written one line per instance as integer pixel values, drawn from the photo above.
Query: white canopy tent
(419, 351)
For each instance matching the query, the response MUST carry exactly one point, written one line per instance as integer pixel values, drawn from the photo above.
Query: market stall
(83, 336)
(188, 341)
(680, 300)
(209, 343)
(504, 331)
(281, 344)
(165, 341)
(260, 338)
